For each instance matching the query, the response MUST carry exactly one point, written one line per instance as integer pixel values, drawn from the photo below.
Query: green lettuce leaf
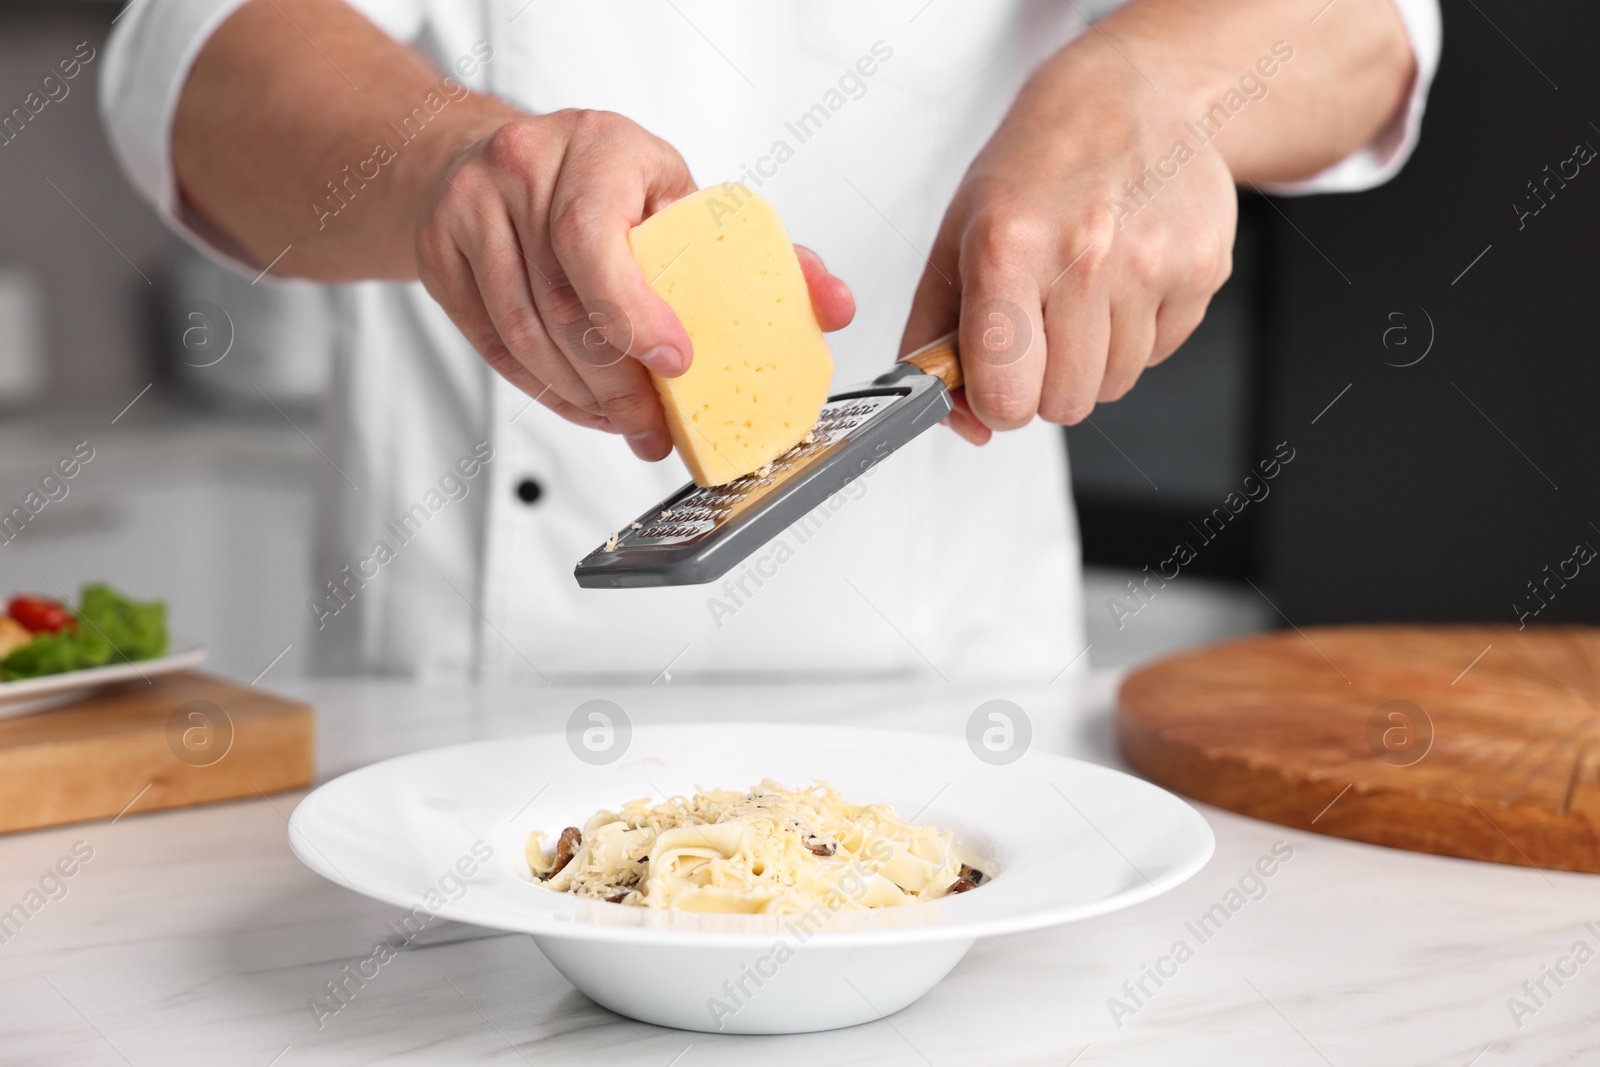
(112, 628)
(46, 654)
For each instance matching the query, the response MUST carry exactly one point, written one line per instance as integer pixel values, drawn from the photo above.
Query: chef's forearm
(1344, 78)
(290, 95)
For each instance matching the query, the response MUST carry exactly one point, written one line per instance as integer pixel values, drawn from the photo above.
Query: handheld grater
(700, 532)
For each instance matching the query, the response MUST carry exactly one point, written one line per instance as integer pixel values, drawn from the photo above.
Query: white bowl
(441, 833)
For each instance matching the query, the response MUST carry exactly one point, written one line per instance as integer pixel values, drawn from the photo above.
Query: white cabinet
(211, 515)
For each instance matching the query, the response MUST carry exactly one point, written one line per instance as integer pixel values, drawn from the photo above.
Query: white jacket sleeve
(148, 58)
(1382, 158)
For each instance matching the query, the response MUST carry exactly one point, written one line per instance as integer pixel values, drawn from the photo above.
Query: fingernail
(648, 445)
(664, 360)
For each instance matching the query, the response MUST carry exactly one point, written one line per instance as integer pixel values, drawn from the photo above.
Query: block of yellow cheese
(723, 262)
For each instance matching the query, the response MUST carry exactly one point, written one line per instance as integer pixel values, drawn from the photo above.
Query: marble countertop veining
(196, 937)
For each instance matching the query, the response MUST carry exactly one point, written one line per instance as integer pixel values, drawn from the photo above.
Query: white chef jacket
(946, 560)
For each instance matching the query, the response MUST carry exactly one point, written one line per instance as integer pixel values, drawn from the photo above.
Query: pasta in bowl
(799, 945)
(768, 851)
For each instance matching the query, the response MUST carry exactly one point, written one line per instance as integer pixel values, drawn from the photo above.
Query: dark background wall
(1434, 491)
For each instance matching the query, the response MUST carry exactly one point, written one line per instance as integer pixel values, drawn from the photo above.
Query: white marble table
(197, 937)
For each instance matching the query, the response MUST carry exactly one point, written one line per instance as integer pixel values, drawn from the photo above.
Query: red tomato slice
(39, 615)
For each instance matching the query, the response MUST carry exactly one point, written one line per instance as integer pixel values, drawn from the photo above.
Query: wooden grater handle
(941, 358)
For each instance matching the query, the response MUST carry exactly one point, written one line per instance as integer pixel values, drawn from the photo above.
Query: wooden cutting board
(177, 740)
(1473, 741)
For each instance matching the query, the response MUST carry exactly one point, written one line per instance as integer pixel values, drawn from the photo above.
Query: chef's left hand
(1062, 301)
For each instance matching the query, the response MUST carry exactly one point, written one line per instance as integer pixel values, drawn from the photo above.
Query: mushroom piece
(819, 847)
(566, 847)
(969, 877)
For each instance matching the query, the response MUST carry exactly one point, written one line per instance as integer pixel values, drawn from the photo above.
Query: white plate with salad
(54, 653)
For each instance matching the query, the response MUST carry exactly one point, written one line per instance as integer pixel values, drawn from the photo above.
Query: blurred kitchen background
(1426, 350)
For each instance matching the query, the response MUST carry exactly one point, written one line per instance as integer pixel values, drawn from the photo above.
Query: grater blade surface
(700, 532)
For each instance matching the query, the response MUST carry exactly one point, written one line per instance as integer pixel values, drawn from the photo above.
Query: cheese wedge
(723, 262)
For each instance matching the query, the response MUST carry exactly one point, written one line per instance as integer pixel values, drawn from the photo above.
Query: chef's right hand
(524, 243)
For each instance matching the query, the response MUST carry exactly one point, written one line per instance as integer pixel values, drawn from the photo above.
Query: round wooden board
(1494, 753)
